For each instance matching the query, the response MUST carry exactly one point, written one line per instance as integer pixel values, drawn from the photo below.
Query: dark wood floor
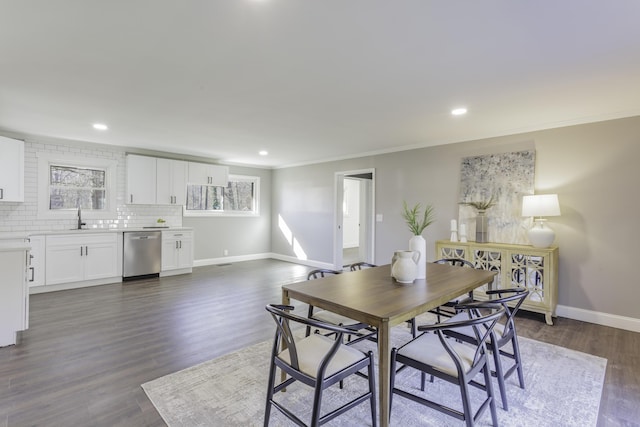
(88, 350)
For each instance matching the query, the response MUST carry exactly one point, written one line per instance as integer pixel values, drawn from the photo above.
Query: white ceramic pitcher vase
(404, 266)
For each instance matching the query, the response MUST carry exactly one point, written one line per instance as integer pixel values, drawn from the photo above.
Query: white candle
(454, 225)
(463, 229)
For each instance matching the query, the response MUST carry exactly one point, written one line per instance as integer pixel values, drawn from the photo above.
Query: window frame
(222, 213)
(46, 160)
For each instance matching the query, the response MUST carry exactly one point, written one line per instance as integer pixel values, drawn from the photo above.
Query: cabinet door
(171, 183)
(185, 251)
(169, 253)
(141, 180)
(13, 298)
(204, 174)
(64, 262)
(35, 273)
(11, 170)
(101, 260)
(180, 170)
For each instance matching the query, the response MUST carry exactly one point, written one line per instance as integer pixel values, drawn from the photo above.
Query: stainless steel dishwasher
(141, 254)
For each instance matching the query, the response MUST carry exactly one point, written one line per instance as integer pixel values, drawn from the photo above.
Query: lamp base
(540, 235)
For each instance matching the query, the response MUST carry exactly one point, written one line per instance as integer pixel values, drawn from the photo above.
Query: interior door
(367, 214)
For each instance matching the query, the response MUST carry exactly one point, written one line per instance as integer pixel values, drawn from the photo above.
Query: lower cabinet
(517, 266)
(36, 270)
(177, 250)
(14, 295)
(74, 258)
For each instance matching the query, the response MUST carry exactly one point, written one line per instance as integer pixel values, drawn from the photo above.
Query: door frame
(338, 219)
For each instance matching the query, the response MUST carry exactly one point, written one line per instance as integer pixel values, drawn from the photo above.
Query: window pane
(204, 197)
(72, 187)
(77, 177)
(239, 196)
(62, 198)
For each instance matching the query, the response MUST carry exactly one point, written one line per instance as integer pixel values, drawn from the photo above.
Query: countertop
(15, 236)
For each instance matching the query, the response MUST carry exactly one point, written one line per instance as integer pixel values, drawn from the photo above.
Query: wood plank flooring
(88, 350)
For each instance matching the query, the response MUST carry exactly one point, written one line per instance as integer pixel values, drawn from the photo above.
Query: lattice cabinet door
(517, 266)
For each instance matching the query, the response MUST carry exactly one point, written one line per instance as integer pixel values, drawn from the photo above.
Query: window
(239, 197)
(72, 187)
(70, 183)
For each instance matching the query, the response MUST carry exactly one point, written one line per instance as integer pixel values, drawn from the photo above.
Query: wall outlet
(225, 252)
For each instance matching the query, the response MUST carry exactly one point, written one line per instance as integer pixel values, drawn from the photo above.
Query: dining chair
(316, 361)
(502, 335)
(456, 362)
(360, 265)
(332, 318)
(449, 306)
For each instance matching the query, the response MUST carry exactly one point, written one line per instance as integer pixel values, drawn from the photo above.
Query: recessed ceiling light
(100, 126)
(263, 152)
(459, 111)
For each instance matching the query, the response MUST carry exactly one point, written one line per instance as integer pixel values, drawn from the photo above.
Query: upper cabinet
(171, 182)
(141, 180)
(205, 174)
(156, 181)
(11, 170)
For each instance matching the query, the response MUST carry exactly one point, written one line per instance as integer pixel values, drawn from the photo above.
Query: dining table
(373, 297)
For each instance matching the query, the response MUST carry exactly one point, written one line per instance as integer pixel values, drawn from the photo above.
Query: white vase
(404, 266)
(418, 244)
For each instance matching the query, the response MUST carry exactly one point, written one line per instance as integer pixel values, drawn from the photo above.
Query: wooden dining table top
(371, 295)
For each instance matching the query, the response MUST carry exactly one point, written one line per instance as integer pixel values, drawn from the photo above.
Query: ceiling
(312, 80)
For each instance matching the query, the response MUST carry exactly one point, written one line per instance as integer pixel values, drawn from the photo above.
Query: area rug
(563, 388)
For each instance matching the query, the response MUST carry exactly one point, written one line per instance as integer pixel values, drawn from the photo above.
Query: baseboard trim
(266, 255)
(604, 319)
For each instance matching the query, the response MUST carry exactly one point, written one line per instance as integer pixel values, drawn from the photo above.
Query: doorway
(354, 217)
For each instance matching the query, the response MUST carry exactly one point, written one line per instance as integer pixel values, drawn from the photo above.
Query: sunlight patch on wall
(293, 242)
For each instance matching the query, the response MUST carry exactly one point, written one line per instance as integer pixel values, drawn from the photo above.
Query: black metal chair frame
(496, 342)
(482, 326)
(321, 272)
(457, 262)
(360, 265)
(320, 381)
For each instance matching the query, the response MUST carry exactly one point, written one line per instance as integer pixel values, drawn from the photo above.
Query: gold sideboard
(517, 266)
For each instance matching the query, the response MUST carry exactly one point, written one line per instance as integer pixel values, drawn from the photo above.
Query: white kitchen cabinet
(171, 182)
(177, 250)
(35, 272)
(14, 294)
(11, 170)
(75, 258)
(141, 180)
(205, 174)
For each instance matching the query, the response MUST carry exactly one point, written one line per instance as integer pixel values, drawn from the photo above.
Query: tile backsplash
(19, 217)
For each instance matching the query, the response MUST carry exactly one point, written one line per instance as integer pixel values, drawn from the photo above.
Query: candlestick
(463, 233)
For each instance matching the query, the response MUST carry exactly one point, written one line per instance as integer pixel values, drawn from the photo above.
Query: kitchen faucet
(80, 223)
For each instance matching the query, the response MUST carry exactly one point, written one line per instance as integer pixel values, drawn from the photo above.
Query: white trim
(604, 319)
(266, 255)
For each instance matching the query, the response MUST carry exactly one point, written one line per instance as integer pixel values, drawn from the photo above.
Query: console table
(517, 266)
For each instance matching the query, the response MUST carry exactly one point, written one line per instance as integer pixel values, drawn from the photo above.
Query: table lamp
(541, 205)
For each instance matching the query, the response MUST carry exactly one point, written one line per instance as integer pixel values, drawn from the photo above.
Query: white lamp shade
(541, 205)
